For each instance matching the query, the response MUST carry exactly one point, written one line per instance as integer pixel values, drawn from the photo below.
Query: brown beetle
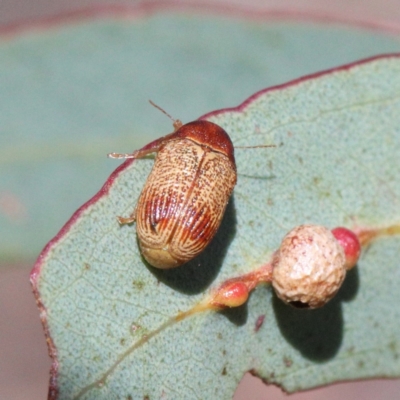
(184, 198)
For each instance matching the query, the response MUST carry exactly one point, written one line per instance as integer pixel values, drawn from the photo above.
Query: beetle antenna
(255, 147)
(162, 110)
(175, 122)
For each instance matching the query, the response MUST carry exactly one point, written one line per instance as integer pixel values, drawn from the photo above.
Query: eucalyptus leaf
(111, 319)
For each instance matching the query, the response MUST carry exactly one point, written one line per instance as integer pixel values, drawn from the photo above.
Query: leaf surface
(111, 318)
(71, 94)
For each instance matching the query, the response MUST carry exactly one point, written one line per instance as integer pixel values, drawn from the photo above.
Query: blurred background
(57, 123)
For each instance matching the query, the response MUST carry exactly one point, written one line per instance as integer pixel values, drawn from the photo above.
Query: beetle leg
(152, 147)
(128, 220)
(135, 154)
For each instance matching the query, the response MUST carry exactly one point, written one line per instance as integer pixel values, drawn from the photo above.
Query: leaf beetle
(183, 201)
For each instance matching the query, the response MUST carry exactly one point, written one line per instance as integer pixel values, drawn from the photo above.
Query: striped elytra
(184, 198)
